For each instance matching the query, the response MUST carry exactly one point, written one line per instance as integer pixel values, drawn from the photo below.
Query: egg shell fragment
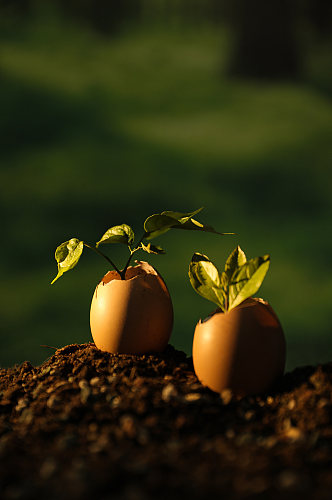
(243, 349)
(131, 316)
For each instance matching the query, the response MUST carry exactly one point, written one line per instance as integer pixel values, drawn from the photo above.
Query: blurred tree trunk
(264, 39)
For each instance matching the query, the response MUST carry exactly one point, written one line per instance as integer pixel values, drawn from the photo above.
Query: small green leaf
(205, 279)
(247, 279)
(224, 281)
(155, 249)
(118, 234)
(67, 256)
(194, 225)
(187, 222)
(236, 259)
(158, 224)
(181, 217)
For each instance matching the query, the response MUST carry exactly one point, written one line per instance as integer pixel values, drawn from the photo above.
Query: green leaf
(155, 249)
(236, 259)
(224, 281)
(247, 279)
(187, 222)
(118, 234)
(181, 217)
(205, 279)
(194, 225)
(67, 256)
(157, 224)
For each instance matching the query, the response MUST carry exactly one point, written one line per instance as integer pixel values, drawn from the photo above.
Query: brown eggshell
(134, 315)
(242, 349)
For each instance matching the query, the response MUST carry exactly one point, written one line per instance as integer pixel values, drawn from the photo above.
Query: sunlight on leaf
(155, 249)
(67, 256)
(194, 225)
(236, 259)
(157, 224)
(205, 279)
(240, 280)
(118, 234)
(247, 279)
(181, 217)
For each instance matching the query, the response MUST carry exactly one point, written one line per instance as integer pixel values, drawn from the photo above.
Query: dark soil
(91, 425)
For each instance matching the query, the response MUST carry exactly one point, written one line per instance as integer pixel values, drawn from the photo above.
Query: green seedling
(240, 279)
(68, 253)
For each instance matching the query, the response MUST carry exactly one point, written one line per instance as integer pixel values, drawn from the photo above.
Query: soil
(92, 425)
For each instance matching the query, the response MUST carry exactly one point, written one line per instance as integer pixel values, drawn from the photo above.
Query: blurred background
(112, 111)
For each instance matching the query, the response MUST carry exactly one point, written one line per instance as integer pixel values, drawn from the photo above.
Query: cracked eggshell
(243, 349)
(131, 316)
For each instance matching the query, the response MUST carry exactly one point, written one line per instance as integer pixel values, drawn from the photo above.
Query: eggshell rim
(240, 306)
(141, 265)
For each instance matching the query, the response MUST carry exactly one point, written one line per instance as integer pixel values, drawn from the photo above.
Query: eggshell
(243, 349)
(134, 315)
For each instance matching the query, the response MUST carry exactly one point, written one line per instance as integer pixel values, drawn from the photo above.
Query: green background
(99, 129)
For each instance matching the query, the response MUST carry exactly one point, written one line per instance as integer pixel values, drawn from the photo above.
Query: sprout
(68, 253)
(240, 279)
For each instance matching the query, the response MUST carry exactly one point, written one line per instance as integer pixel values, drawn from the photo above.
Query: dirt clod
(88, 424)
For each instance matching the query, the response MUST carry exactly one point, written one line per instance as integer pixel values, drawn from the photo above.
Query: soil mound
(88, 424)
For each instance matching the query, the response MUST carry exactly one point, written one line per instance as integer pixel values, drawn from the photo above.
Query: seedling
(68, 253)
(240, 279)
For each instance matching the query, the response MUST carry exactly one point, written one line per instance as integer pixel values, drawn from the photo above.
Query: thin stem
(226, 297)
(105, 257)
(123, 272)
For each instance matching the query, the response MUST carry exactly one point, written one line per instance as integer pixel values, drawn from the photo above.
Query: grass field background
(98, 131)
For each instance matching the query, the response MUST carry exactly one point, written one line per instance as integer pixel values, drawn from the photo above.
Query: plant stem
(226, 303)
(226, 297)
(123, 272)
(105, 257)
